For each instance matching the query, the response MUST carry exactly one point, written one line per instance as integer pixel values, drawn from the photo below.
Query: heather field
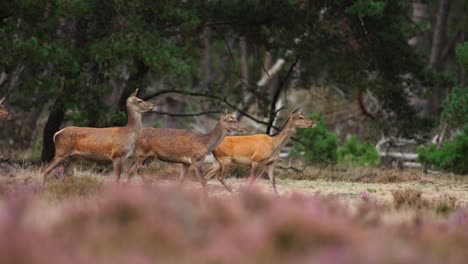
(360, 215)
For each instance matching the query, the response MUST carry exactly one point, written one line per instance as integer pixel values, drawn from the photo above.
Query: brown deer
(110, 143)
(181, 146)
(256, 150)
(4, 113)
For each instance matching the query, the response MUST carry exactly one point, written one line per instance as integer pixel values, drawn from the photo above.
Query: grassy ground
(349, 184)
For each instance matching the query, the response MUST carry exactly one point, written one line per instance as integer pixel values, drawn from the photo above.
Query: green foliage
(158, 124)
(81, 50)
(319, 146)
(73, 50)
(462, 53)
(366, 8)
(355, 153)
(452, 156)
(456, 107)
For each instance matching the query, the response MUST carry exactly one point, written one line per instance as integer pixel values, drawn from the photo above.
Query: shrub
(456, 107)
(450, 157)
(83, 186)
(409, 198)
(319, 144)
(445, 205)
(355, 153)
(462, 53)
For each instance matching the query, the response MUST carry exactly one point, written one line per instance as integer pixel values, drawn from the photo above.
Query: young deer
(256, 150)
(110, 143)
(181, 146)
(4, 113)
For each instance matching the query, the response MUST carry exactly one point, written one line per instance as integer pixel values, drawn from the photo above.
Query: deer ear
(1, 100)
(296, 110)
(135, 92)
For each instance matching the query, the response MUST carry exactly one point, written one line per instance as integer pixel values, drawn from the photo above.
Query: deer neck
(282, 138)
(215, 136)
(134, 121)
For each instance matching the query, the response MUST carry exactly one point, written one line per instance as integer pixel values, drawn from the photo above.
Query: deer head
(138, 105)
(300, 121)
(230, 122)
(4, 113)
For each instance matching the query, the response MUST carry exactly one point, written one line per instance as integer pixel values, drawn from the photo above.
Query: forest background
(367, 69)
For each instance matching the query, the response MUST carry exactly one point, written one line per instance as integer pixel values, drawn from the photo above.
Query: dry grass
(414, 199)
(442, 193)
(409, 198)
(349, 174)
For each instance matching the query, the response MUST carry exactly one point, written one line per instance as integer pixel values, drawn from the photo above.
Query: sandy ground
(352, 190)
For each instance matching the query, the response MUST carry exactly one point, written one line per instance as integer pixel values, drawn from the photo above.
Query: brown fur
(181, 146)
(256, 150)
(111, 143)
(4, 113)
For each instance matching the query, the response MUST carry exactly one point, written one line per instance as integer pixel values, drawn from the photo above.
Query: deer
(256, 150)
(101, 144)
(181, 146)
(4, 113)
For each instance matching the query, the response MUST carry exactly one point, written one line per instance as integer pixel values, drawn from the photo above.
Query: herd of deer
(188, 148)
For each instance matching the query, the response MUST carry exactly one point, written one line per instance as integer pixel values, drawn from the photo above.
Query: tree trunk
(173, 104)
(207, 56)
(439, 36)
(244, 62)
(435, 62)
(420, 13)
(461, 68)
(54, 121)
(134, 81)
(276, 88)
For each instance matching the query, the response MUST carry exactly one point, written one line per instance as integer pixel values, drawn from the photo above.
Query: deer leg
(215, 170)
(221, 176)
(69, 171)
(183, 172)
(200, 175)
(270, 170)
(144, 164)
(134, 166)
(54, 163)
(253, 173)
(118, 167)
(259, 173)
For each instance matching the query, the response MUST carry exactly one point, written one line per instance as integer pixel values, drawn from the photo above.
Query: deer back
(245, 148)
(95, 143)
(173, 145)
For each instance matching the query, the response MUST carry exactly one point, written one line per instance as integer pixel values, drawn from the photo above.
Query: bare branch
(188, 114)
(218, 23)
(207, 95)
